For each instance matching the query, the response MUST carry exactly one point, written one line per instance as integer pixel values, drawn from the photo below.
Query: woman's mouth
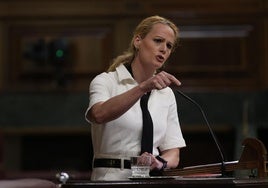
(160, 58)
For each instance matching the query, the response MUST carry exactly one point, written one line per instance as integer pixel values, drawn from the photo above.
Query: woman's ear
(137, 41)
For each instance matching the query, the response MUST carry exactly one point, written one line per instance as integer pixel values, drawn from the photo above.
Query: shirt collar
(123, 73)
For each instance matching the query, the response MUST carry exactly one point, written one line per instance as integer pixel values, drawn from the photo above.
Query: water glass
(140, 166)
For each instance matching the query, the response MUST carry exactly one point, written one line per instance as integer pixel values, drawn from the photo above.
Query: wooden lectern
(254, 156)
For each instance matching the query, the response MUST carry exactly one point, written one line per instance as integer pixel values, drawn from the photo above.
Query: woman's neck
(140, 72)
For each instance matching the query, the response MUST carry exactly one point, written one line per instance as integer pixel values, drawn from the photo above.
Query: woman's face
(156, 47)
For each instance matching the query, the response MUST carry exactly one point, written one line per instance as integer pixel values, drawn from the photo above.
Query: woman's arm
(172, 156)
(114, 107)
(111, 109)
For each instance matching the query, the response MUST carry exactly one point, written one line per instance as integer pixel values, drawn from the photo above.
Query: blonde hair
(142, 30)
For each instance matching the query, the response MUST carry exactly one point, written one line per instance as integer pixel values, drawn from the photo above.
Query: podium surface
(176, 182)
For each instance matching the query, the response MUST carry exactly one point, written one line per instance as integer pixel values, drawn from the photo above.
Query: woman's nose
(163, 48)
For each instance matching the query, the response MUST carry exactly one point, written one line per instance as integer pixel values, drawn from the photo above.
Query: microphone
(223, 159)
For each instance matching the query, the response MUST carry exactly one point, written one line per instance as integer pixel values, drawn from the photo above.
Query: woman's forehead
(162, 30)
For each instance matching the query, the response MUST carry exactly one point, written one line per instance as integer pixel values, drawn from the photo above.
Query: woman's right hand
(159, 81)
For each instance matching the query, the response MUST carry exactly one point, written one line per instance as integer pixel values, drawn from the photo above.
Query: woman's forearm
(111, 109)
(172, 156)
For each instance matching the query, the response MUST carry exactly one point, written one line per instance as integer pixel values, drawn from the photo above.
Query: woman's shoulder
(119, 74)
(166, 94)
(104, 76)
(166, 91)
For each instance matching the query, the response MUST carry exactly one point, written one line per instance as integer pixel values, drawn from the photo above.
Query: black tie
(147, 131)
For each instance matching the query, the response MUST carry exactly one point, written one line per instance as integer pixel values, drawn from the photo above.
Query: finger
(157, 84)
(173, 79)
(164, 79)
(161, 81)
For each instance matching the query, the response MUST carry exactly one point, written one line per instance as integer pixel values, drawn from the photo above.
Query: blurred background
(51, 49)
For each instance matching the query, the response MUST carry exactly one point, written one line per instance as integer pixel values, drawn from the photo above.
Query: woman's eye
(169, 46)
(158, 40)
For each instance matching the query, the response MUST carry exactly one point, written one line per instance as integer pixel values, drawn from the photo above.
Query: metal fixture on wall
(55, 53)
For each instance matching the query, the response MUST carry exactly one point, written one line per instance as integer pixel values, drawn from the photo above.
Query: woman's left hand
(155, 164)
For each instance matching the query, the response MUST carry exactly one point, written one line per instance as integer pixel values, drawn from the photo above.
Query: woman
(114, 108)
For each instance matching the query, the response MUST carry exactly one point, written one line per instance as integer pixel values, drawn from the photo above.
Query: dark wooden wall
(223, 43)
(222, 62)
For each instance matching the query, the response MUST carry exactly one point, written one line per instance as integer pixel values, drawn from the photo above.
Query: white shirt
(121, 138)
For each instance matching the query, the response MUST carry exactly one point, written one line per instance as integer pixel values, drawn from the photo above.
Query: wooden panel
(217, 52)
(265, 49)
(79, 53)
(212, 48)
(2, 48)
(121, 7)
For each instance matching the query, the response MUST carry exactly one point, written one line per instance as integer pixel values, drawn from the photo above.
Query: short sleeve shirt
(122, 136)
